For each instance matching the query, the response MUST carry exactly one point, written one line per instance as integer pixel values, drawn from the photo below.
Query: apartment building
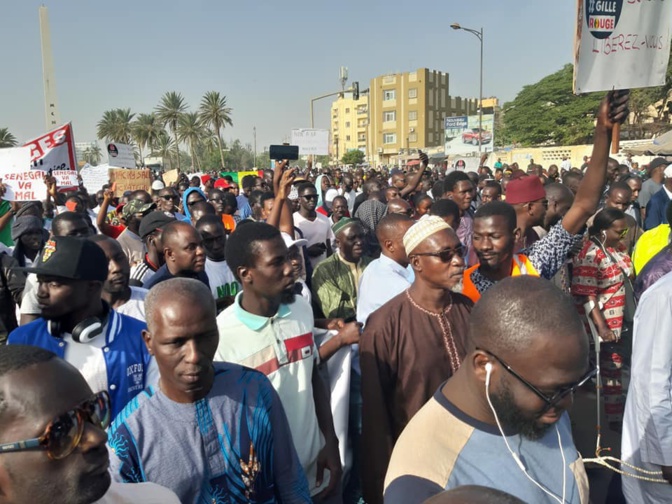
(349, 124)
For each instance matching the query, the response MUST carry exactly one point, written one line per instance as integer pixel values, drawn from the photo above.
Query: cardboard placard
(170, 177)
(129, 180)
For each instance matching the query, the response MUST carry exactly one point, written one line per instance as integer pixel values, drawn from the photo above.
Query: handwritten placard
(129, 180)
(65, 178)
(21, 182)
(621, 44)
(94, 177)
(311, 141)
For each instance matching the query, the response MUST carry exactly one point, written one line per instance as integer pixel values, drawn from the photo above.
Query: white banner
(65, 178)
(120, 155)
(95, 177)
(621, 44)
(22, 183)
(311, 141)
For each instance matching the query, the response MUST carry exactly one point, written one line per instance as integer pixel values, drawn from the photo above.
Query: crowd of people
(176, 344)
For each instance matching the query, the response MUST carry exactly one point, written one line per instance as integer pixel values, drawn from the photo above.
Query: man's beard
(511, 416)
(288, 296)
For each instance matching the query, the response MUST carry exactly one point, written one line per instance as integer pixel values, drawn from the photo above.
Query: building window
(413, 137)
(390, 116)
(389, 94)
(361, 137)
(347, 124)
(413, 115)
(390, 138)
(347, 138)
(347, 110)
(413, 93)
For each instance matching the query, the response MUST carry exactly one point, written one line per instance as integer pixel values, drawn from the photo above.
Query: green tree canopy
(548, 113)
(6, 138)
(353, 157)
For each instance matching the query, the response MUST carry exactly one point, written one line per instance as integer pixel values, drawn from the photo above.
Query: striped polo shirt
(281, 347)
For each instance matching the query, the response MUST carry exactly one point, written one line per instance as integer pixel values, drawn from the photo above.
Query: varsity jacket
(126, 357)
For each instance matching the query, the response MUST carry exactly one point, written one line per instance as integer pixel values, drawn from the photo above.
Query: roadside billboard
(462, 134)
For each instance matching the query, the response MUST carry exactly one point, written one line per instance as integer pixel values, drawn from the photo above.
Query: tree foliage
(215, 114)
(169, 111)
(353, 157)
(6, 138)
(116, 126)
(548, 113)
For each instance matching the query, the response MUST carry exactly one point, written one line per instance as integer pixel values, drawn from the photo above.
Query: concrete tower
(52, 116)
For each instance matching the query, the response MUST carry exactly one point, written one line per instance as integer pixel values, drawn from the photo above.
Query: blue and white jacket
(125, 353)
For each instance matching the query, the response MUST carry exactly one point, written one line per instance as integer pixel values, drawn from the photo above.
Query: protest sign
(129, 180)
(170, 177)
(621, 44)
(311, 141)
(120, 155)
(94, 177)
(22, 183)
(54, 150)
(65, 179)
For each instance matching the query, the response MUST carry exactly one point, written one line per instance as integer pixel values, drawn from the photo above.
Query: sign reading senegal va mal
(621, 44)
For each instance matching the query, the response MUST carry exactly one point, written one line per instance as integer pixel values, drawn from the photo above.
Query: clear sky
(268, 57)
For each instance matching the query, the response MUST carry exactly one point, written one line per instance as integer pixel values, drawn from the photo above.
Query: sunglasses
(169, 197)
(310, 196)
(64, 433)
(445, 255)
(550, 401)
(623, 233)
(216, 200)
(194, 202)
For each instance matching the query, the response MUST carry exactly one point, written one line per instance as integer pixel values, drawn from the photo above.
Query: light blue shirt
(382, 280)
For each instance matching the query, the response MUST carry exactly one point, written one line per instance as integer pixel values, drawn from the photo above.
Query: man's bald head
(559, 193)
(399, 206)
(474, 494)
(173, 229)
(181, 291)
(393, 225)
(518, 311)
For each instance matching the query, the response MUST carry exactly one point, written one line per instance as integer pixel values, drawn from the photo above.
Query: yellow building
(349, 124)
(407, 113)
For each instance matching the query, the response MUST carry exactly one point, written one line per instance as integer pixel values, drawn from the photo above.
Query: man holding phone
(315, 227)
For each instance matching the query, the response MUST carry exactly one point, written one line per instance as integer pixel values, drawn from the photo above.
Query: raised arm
(417, 177)
(101, 218)
(613, 110)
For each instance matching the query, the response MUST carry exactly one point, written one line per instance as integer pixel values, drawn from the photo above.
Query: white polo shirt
(282, 347)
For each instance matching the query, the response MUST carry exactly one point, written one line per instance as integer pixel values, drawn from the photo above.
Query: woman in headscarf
(29, 238)
(322, 183)
(370, 213)
(329, 196)
(189, 198)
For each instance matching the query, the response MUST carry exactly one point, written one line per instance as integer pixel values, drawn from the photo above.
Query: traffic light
(355, 91)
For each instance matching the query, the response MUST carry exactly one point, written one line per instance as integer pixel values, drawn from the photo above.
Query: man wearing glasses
(52, 436)
(501, 421)
(314, 226)
(411, 345)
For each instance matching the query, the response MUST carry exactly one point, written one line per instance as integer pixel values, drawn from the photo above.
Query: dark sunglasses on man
(445, 255)
(64, 433)
(169, 197)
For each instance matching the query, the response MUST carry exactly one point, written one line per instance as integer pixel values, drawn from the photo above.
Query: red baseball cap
(222, 184)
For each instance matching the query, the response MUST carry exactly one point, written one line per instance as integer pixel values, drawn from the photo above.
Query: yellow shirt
(649, 244)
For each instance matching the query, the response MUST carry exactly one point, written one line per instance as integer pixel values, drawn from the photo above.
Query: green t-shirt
(6, 233)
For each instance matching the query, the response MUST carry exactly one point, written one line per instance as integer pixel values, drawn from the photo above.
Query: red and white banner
(54, 150)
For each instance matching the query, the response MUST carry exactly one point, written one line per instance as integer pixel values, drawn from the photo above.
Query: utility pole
(254, 131)
(52, 116)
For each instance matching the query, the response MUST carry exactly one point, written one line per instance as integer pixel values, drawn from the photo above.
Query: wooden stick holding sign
(621, 44)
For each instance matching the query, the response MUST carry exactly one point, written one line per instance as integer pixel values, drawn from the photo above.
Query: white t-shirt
(222, 281)
(315, 231)
(133, 493)
(29, 304)
(132, 246)
(135, 306)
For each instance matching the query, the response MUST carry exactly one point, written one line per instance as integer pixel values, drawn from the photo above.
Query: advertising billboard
(462, 134)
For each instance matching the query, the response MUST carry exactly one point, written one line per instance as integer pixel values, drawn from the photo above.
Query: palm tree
(163, 148)
(93, 154)
(6, 138)
(191, 130)
(146, 131)
(115, 126)
(215, 114)
(168, 112)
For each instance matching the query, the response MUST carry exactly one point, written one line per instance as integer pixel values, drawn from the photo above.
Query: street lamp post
(479, 34)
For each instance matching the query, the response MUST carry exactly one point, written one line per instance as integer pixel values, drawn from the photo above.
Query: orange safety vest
(521, 266)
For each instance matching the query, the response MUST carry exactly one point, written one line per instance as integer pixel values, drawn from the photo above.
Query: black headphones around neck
(86, 331)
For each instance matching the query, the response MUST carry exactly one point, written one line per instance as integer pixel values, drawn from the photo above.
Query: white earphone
(519, 463)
